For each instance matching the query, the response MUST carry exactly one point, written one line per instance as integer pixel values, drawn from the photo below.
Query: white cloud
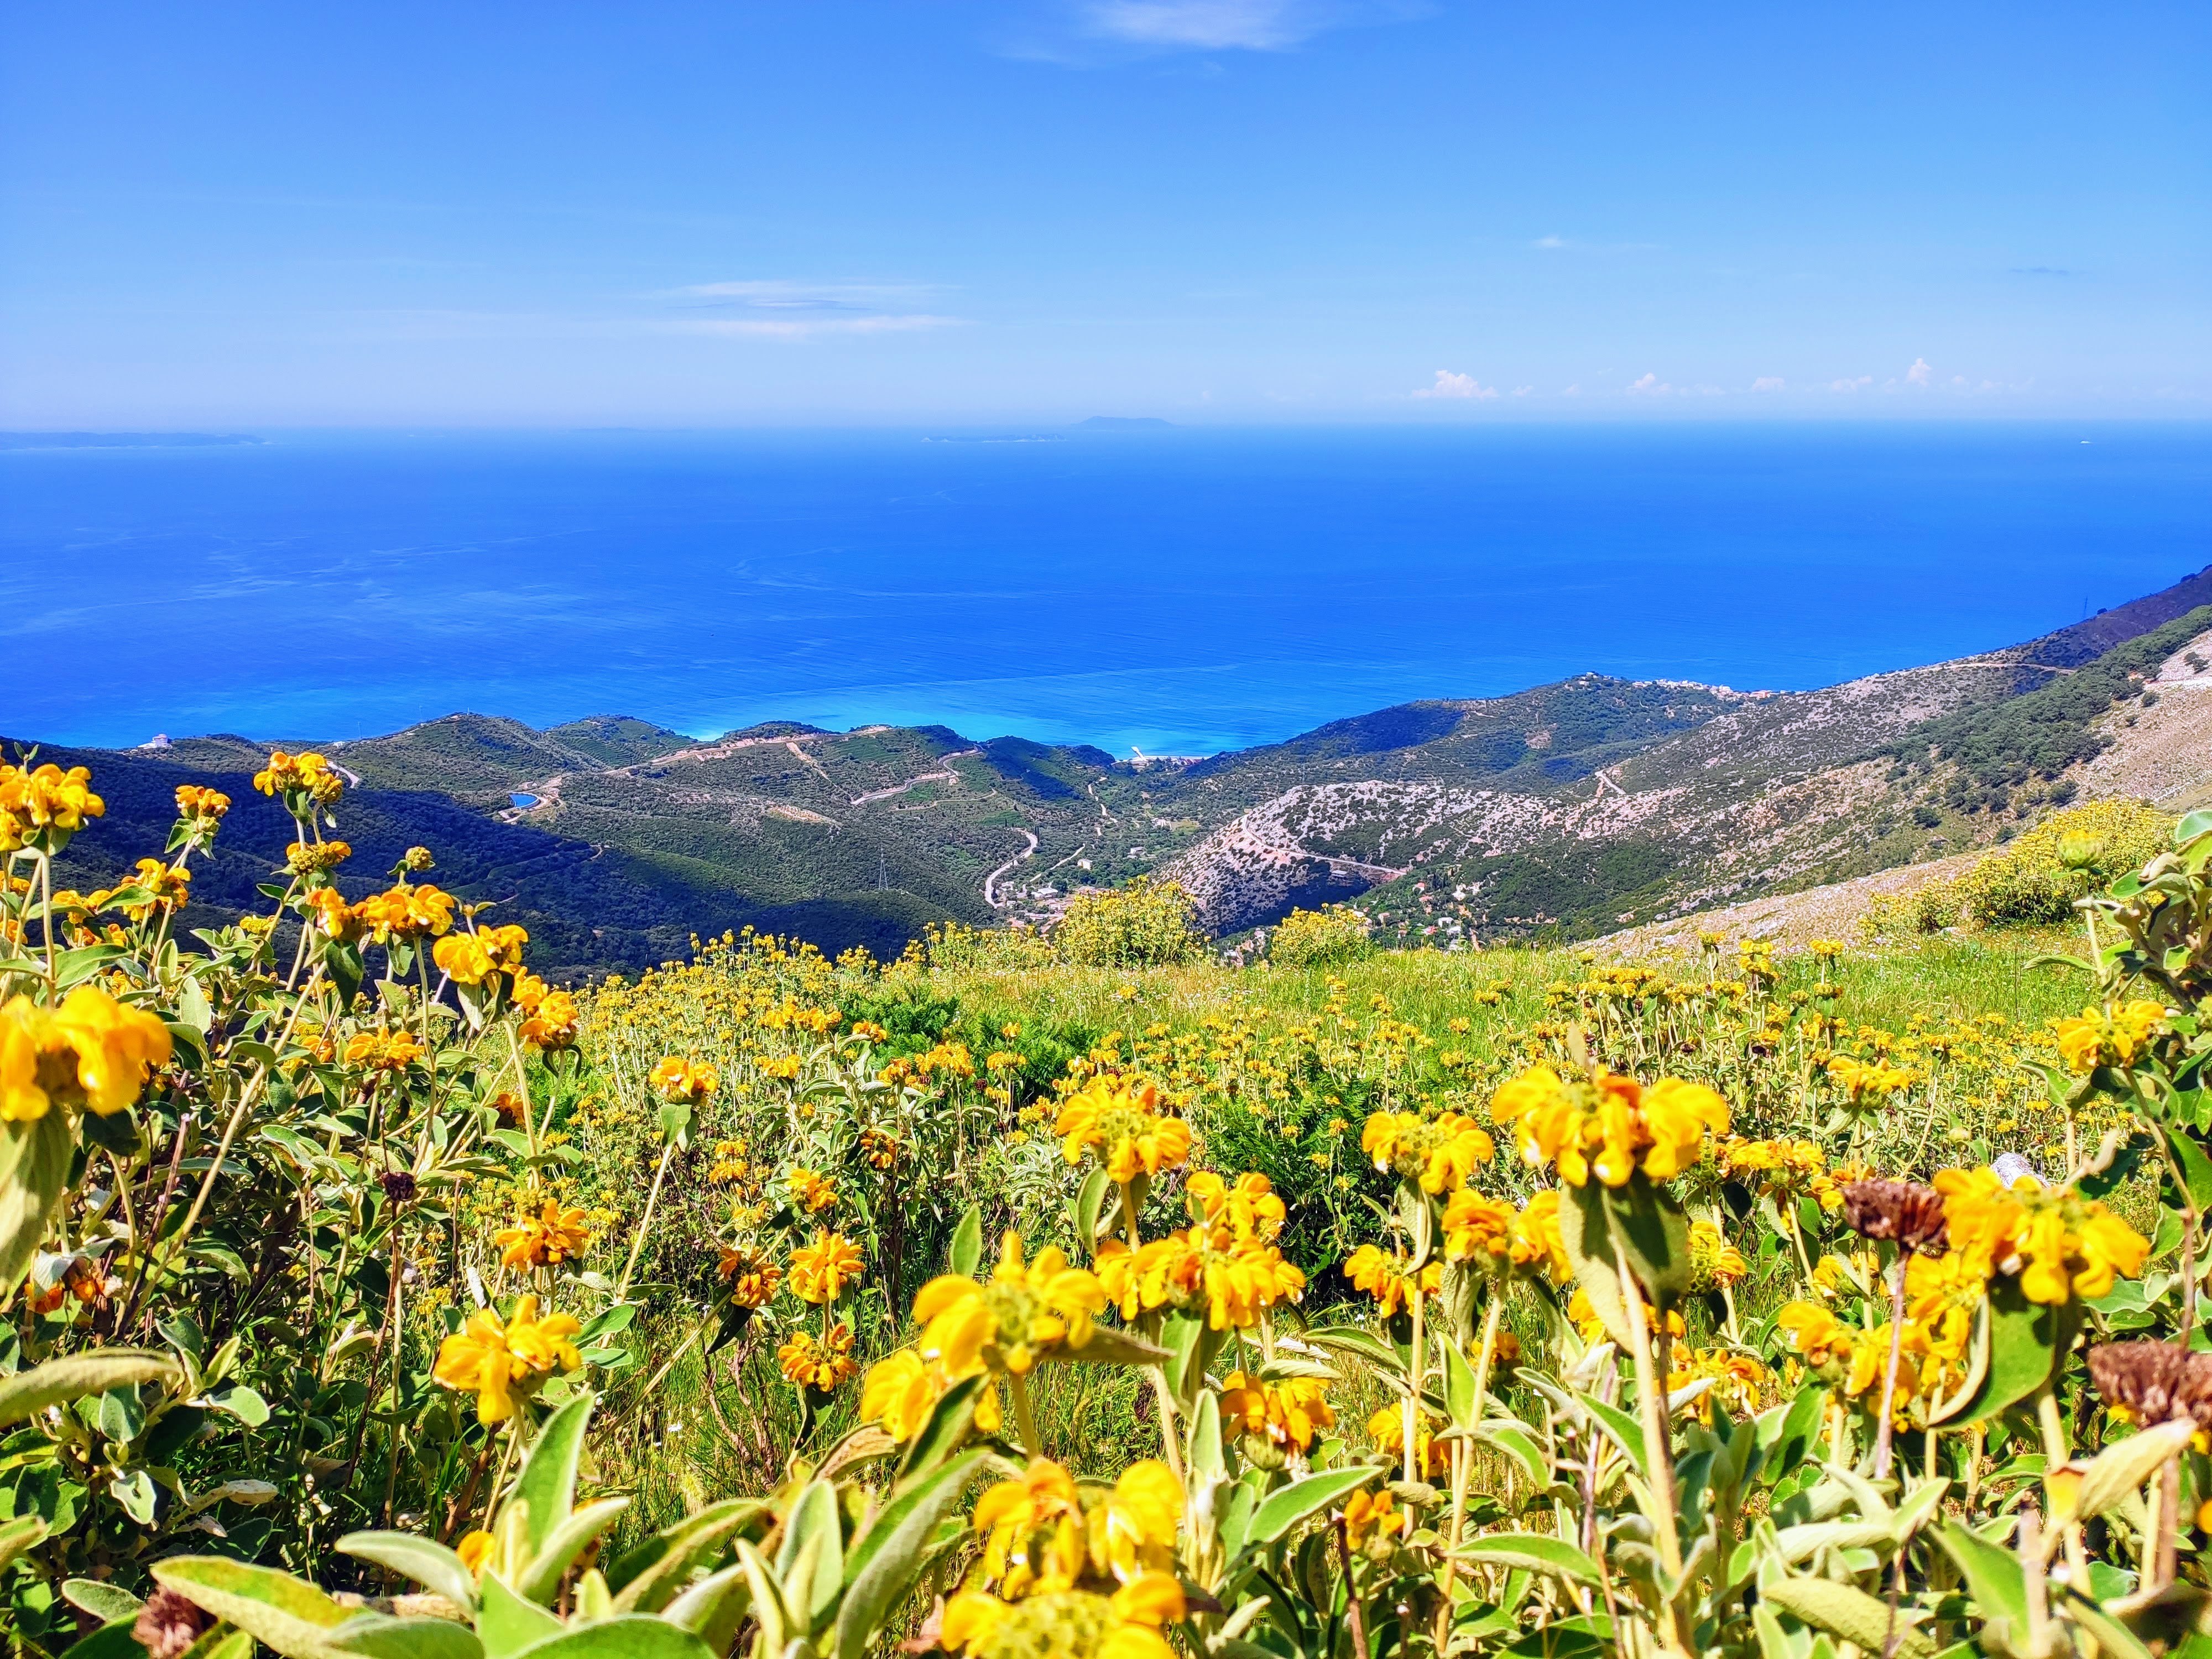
(1768, 383)
(1232, 24)
(807, 328)
(1858, 384)
(1574, 390)
(1920, 373)
(782, 308)
(1551, 241)
(783, 294)
(1649, 385)
(1448, 385)
(1522, 390)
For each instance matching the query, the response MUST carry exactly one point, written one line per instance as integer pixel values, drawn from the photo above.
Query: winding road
(991, 881)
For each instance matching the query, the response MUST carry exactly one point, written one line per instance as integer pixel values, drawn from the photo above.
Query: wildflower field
(365, 1295)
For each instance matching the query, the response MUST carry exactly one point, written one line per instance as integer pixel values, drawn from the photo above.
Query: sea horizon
(1180, 590)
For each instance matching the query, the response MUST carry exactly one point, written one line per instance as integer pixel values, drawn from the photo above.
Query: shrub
(1144, 924)
(2038, 877)
(1318, 938)
(988, 949)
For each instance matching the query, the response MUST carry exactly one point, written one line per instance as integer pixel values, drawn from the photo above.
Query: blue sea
(1179, 591)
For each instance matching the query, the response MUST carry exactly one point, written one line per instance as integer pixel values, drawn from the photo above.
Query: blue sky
(1025, 211)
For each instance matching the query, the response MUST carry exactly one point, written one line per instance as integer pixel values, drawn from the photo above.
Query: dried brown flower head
(1901, 1210)
(168, 1625)
(399, 1186)
(2153, 1383)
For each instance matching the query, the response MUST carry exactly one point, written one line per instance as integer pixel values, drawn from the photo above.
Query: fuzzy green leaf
(278, 1610)
(1283, 1509)
(425, 1560)
(1533, 1552)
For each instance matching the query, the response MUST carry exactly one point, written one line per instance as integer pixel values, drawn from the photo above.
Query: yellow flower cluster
(472, 958)
(820, 1271)
(1288, 1414)
(1608, 1124)
(1389, 1277)
(1227, 1259)
(822, 1364)
(2061, 1244)
(92, 1051)
(1438, 1153)
(546, 1239)
(302, 779)
(1501, 1238)
(165, 887)
(1123, 1121)
(1867, 1082)
(2109, 1037)
(1071, 1574)
(42, 807)
(1715, 1263)
(752, 1277)
(502, 1362)
(195, 801)
(676, 1079)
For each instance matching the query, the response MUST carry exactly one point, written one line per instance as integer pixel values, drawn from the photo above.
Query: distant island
(1122, 424)
(122, 439)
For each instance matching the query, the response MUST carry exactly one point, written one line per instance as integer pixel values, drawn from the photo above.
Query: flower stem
(1024, 1416)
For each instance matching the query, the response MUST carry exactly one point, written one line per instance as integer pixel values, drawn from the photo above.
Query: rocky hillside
(1579, 808)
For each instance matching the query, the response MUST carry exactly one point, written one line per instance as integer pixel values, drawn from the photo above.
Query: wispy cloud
(805, 328)
(783, 309)
(1769, 383)
(1920, 373)
(1649, 385)
(1851, 384)
(1448, 385)
(2043, 271)
(1232, 25)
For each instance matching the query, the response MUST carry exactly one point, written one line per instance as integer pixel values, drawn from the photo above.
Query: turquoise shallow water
(1183, 591)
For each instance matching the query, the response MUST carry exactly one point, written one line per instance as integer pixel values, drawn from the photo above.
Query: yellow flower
(900, 1392)
(166, 886)
(2113, 1037)
(302, 779)
(1123, 1122)
(1867, 1082)
(1737, 1380)
(92, 1051)
(1024, 1315)
(463, 959)
(1715, 1263)
(546, 1239)
(1478, 1227)
(504, 1362)
(1289, 1413)
(822, 1366)
(1537, 1245)
(1436, 1153)
(809, 1191)
(1817, 1333)
(752, 1279)
(195, 802)
(1608, 1124)
(553, 1021)
(1388, 1280)
(820, 1271)
(43, 807)
(383, 1051)
(474, 1549)
(2060, 1244)
(1250, 1208)
(675, 1079)
(1373, 1514)
(406, 913)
